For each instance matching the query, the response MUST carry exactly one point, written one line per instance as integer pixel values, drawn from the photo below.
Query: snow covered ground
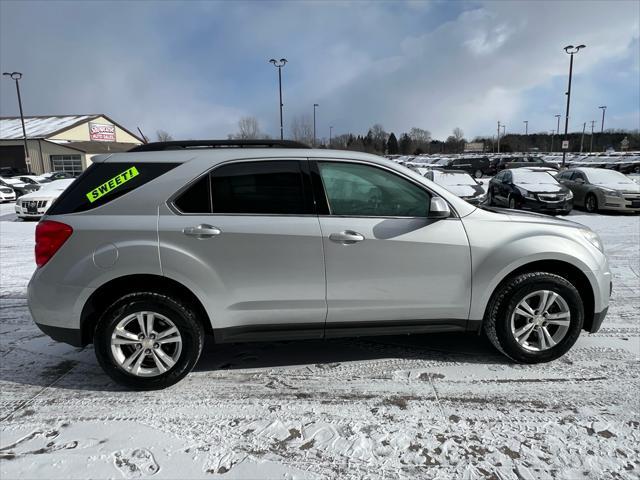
(424, 406)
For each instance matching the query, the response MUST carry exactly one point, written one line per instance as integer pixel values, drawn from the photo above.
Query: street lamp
(498, 136)
(279, 65)
(315, 105)
(330, 132)
(570, 50)
(526, 127)
(593, 122)
(603, 108)
(17, 76)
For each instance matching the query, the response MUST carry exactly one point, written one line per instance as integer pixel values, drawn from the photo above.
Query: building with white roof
(60, 142)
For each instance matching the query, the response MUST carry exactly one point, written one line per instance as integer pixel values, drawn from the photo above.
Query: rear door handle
(348, 237)
(202, 231)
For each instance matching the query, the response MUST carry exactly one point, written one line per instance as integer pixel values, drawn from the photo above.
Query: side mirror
(439, 208)
(579, 180)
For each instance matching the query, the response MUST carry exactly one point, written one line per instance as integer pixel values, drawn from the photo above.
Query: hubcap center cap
(147, 343)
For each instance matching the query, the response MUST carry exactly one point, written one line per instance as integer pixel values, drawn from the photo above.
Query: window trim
(306, 183)
(313, 163)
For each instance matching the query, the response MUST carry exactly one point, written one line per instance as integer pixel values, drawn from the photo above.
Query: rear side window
(103, 182)
(265, 187)
(253, 188)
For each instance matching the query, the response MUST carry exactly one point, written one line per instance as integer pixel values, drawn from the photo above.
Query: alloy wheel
(540, 320)
(146, 344)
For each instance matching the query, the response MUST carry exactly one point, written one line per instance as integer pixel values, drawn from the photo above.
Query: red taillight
(50, 236)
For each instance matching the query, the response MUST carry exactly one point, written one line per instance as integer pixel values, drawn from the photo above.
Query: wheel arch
(107, 293)
(564, 269)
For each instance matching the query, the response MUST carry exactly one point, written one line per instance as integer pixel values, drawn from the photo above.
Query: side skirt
(316, 331)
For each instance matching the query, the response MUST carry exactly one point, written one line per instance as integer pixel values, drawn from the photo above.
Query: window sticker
(112, 184)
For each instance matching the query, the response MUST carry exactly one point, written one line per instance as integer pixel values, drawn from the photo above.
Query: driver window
(360, 190)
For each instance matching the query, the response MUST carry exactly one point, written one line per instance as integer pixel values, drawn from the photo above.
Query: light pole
(553, 132)
(603, 108)
(315, 105)
(498, 136)
(279, 66)
(330, 132)
(593, 122)
(570, 50)
(526, 134)
(584, 127)
(526, 127)
(17, 76)
(557, 129)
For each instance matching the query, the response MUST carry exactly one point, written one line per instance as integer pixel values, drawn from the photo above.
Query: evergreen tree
(406, 144)
(392, 144)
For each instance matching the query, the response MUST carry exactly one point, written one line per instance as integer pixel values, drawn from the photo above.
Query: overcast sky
(193, 69)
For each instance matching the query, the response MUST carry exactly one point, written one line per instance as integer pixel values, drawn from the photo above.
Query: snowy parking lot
(425, 406)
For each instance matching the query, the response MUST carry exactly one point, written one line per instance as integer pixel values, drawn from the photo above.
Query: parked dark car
(475, 166)
(18, 186)
(460, 184)
(602, 189)
(58, 175)
(521, 188)
(500, 163)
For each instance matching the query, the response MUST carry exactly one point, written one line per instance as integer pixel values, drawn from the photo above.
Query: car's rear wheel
(148, 341)
(512, 203)
(591, 203)
(534, 317)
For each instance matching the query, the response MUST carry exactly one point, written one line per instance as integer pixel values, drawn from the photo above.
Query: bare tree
(163, 136)
(248, 129)
(458, 134)
(302, 129)
(420, 136)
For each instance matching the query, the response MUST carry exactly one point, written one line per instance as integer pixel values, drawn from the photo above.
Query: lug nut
(138, 347)
(147, 351)
(152, 336)
(141, 336)
(156, 345)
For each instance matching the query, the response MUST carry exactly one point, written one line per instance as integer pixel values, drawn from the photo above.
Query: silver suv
(149, 250)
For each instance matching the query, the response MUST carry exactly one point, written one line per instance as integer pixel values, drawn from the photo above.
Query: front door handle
(348, 237)
(202, 231)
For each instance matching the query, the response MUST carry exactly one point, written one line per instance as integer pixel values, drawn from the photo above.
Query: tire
(591, 203)
(477, 173)
(500, 317)
(167, 312)
(489, 197)
(512, 203)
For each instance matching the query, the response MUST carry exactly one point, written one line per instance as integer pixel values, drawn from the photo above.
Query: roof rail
(189, 144)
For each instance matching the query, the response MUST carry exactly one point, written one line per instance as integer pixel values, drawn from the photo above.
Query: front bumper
(621, 204)
(38, 209)
(562, 206)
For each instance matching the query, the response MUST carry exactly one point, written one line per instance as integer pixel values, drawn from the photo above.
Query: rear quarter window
(103, 182)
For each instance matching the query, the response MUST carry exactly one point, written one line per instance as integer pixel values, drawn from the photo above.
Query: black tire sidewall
(184, 319)
(595, 203)
(503, 324)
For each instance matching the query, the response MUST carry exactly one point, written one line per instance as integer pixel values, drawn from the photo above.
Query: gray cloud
(195, 68)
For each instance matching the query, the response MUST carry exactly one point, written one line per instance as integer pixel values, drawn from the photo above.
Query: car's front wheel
(591, 203)
(534, 317)
(148, 341)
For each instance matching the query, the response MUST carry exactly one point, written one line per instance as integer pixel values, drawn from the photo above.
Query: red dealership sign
(102, 133)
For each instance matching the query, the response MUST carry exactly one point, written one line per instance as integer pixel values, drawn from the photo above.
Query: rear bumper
(71, 336)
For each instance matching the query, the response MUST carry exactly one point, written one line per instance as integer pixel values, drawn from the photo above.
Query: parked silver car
(602, 189)
(149, 250)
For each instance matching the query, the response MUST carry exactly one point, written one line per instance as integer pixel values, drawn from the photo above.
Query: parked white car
(35, 205)
(33, 179)
(7, 194)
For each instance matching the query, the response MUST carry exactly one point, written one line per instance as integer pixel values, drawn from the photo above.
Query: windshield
(448, 178)
(56, 185)
(601, 177)
(530, 177)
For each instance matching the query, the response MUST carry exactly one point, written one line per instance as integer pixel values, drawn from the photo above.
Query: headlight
(611, 193)
(593, 238)
(569, 195)
(527, 194)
